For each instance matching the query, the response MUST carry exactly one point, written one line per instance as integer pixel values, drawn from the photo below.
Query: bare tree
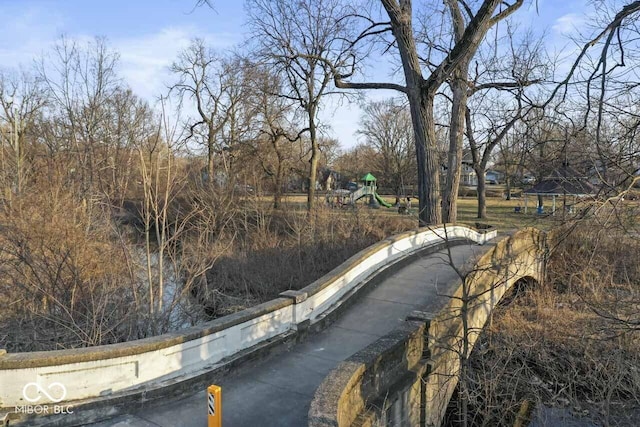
(276, 132)
(511, 158)
(603, 74)
(481, 151)
(458, 84)
(420, 89)
(241, 114)
(21, 102)
(297, 39)
(78, 82)
(128, 125)
(355, 162)
(178, 236)
(499, 97)
(203, 78)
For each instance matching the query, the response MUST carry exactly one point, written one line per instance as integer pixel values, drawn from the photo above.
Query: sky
(149, 34)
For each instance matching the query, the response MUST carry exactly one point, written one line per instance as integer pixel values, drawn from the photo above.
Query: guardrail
(113, 370)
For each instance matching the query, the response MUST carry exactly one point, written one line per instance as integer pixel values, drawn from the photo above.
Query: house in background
(493, 177)
(468, 177)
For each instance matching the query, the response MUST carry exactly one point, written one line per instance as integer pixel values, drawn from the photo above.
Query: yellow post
(214, 406)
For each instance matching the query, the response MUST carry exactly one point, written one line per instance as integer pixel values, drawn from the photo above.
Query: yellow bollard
(214, 404)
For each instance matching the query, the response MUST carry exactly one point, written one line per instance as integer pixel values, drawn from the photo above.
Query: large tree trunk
(482, 192)
(459, 85)
(313, 162)
(421, 91)
(456, 133)
(421, 107)
(427, 159)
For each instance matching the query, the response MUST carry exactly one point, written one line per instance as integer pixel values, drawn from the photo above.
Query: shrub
(572, 342)
(289, 250)
(64, 282)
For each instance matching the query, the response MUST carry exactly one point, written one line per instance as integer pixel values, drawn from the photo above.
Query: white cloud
(569, 23)
(144, 60)
(26, 34)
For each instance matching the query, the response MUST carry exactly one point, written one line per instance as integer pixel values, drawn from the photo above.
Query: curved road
(277, 390)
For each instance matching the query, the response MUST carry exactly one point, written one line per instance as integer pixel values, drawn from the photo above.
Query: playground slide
(382, 201)
(360, 192)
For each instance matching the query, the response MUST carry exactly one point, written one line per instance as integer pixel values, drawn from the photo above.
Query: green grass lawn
(500, 212)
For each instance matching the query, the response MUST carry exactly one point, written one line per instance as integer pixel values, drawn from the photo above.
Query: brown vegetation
(278, 251)
(65, 280)
(74, 274)
(572, 342)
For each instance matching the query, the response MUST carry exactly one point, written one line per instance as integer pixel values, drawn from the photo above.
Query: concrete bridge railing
(132, 370)
(407, 377)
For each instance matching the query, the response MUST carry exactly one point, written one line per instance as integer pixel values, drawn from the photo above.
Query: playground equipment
(369, 189)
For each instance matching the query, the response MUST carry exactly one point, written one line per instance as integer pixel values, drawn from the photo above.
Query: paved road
(278, 390)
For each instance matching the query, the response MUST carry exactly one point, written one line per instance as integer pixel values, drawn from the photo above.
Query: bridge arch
(519, 288)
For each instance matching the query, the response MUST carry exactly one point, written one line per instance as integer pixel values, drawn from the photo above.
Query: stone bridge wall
(407, 377)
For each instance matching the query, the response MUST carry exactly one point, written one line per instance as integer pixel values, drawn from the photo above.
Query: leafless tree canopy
(301, 40)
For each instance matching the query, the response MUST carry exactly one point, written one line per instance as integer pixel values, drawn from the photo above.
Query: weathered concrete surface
(407, 377)
(520, 256)
(277, 391)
